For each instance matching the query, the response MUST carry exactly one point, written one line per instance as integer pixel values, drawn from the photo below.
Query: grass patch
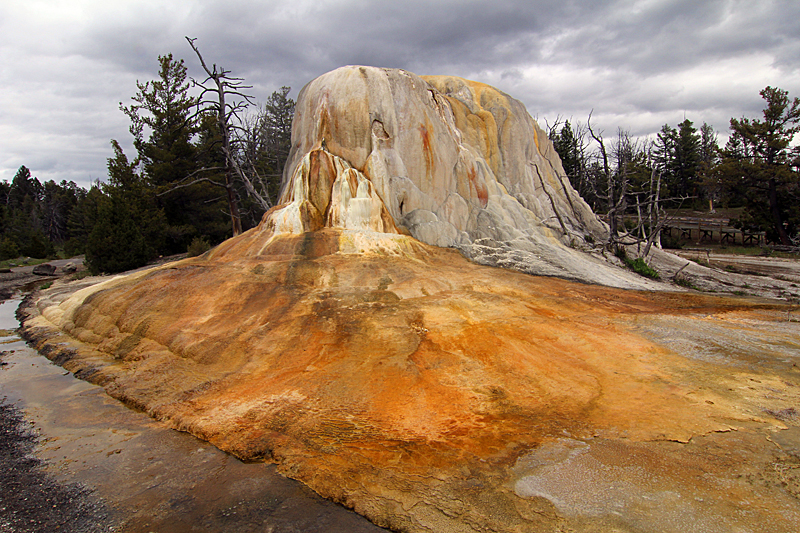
(638, 265)
(686, 283)
(21, 261)
(46, 285)
(751, 251)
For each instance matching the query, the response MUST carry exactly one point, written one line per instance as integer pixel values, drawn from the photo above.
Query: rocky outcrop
(452, 162)
(44, 269)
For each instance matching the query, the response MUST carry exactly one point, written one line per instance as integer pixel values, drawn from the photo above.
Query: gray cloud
(637, 64)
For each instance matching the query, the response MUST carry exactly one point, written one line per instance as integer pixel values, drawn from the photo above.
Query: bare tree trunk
(612, 216)
(226, 112)
(657, 207)
(233, 205)
(639, 223)
(552, 202)
(775, 211)
(222, 123)
(654, 217)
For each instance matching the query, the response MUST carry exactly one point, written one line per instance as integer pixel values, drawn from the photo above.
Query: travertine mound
(431, 393)
(452, 162)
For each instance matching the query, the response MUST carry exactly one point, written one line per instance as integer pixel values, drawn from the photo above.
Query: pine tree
(707, 169)
(129, 227)
(687, 159)
(82, 220)
(677, 154)
(24, 220)
(762, 164)
(165, 110)
(116, 243)
(571, 148)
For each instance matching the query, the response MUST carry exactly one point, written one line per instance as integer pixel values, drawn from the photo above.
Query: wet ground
(82, 461)
(22, 277)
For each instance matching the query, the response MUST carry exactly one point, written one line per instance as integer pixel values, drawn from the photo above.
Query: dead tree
(656, 218)
(222, 96)
(619, 189)
(616, 183)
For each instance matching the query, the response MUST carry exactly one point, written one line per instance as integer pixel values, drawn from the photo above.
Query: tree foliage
(195, 173)
(33, 216)
(761, 167)
(168, 195)
(129, 227)
(165, 128)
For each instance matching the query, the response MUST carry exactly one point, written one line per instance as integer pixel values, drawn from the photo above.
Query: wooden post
(699, 232)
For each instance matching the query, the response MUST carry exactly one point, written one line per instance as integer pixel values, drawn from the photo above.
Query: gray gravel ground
(30, 499)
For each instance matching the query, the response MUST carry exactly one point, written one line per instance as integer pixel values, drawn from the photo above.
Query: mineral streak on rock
(419, 388)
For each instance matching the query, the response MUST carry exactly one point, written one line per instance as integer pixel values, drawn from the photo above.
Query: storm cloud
(65, 66)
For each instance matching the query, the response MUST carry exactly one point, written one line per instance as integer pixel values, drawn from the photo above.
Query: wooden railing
(702, 229)
(706, 229)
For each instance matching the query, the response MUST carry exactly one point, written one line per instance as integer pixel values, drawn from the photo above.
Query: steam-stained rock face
(454, 162)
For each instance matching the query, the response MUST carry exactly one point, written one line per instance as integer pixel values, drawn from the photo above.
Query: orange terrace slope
(433, 394)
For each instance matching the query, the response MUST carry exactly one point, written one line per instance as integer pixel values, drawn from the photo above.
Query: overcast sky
(65, 65)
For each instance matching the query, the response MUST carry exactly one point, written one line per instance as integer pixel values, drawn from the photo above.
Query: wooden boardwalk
(706, 229)
(719, 230)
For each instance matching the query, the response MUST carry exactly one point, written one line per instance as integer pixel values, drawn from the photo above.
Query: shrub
(74, 247)
(671, 243)
(199, 245)
(116, 243)
(38, 246)
(637, 265)
(685, 282)
(8, 249)
(80, 275)
(643, 269)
